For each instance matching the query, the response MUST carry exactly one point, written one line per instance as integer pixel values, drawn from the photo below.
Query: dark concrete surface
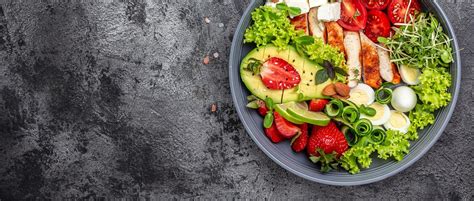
(111, 99)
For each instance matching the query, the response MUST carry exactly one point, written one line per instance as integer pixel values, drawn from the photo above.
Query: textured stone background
(112, 100)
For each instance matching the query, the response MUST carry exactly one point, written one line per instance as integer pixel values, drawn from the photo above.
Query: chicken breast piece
(335, 35)
(316, 28)
(370, 62)
(353, 48)
(396, 75)
(385, 64)
(300, 22)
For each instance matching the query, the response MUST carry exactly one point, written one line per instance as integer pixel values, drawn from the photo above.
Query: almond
(329, 90)
(336, 96)
(342, 89)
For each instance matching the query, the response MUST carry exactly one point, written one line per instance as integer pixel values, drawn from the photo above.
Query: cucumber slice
(315, 118)
(281, 109)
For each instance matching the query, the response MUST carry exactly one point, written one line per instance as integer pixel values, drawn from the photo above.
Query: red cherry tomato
(377, 25)
(353, 15)
(402, 11)
(317, 105)
(375, 4)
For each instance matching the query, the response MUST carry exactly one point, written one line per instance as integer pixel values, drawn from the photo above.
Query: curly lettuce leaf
(420, 117)
(357, 156)
(395, 145)
(433, 94)
(270, 25)
(318, 52)
(433, 88)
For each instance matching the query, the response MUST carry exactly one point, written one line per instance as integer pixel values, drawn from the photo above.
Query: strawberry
(286, 129)
(328, 138)
(317, 105)
(299, 142)
(325, 145)
(273, 134)
(278, 74)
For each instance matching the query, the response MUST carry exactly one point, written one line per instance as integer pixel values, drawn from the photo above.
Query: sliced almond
(329, 90)
(342, 89)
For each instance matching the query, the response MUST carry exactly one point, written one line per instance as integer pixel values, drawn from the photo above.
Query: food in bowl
(343, 81)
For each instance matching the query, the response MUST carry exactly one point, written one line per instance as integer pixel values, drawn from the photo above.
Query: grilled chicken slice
(316, 28)
(335, 35)
(385, 64)
(300, 22)
(396, 75)
(370, 62)
(388, 70)
(352, 47)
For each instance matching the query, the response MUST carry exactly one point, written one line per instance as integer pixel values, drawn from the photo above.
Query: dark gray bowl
(298, 163)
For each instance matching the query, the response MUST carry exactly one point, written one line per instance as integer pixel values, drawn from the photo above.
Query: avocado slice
(306, 90)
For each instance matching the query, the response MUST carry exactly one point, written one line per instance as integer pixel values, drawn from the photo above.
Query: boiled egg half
(397, 121)
(381, 116)
(362, 94)
(410, 75)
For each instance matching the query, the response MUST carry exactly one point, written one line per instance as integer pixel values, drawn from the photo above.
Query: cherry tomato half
(375, 4)
(353, 15)
(398, 9)
(377, 25)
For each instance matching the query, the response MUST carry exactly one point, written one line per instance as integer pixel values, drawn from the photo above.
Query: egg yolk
(379, 111)
(359, 97)
(397, 120)
(411, 73)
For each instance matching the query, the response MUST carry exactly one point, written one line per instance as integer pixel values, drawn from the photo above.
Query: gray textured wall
(112, 100)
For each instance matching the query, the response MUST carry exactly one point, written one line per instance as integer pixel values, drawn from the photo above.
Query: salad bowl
(298, 163)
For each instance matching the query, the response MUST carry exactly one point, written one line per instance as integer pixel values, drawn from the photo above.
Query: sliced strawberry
(278, 74)
(299, 144)
(317, 105)
(273, 134)
(287, 129)
(327, 138)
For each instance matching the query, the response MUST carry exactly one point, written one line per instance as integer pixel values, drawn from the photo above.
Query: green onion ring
(378, 135)
(350, 114)
(334, 108)
(383, 95)
(351, 136)
(363, 127)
